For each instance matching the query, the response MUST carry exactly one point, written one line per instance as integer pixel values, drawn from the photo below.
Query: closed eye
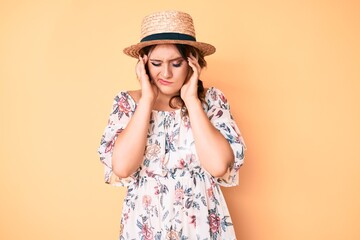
(156, 64)
(178, 64)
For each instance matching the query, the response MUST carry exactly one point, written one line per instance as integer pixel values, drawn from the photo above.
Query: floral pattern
(171, 196)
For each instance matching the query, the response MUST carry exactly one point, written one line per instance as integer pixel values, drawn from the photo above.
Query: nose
(166, 71)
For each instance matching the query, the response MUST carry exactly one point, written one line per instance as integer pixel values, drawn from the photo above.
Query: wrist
(192, 103)
(146, 102)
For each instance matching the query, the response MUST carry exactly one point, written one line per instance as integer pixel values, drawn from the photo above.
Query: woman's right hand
(149, 90)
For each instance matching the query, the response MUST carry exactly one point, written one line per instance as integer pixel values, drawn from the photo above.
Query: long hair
(185, 51)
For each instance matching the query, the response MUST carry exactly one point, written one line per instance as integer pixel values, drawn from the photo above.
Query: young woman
(172, 143)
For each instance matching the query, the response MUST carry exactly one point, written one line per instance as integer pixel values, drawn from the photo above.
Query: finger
(137, 68)
(194, 65)
(196, 57)
(191, 64)
(145, 59)
(194, 77)
(142, 63)
(141, 71)
(195, 60)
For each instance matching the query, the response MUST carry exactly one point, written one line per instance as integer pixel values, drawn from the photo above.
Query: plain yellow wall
(289, 68)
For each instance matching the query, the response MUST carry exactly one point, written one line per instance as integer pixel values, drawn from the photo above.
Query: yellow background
(289, 68)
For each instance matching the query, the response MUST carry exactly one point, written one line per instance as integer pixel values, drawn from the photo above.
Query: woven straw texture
(171, 21)
(168, 22)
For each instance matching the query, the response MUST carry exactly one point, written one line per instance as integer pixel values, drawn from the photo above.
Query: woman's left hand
(189, 90)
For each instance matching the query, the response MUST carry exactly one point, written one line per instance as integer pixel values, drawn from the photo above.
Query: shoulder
(125, 100)
(131, 95)
(135, 94)
(215, 96)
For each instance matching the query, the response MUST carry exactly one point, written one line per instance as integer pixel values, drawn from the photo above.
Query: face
(167, 68)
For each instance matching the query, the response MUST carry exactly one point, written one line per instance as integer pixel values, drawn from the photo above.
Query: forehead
(164, 51)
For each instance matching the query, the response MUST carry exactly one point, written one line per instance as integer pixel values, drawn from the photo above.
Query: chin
(171, 91)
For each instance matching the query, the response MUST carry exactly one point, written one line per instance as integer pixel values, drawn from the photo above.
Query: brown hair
(185, 51)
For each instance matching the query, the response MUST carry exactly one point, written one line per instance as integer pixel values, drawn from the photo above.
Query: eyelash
(178, 64)
(174, 65)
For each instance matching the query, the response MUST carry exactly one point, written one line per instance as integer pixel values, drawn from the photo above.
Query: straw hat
(168, 27)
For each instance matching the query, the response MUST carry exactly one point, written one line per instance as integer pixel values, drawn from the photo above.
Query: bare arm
(130, 145)
(214, 151)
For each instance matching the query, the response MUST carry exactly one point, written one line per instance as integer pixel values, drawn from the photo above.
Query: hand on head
(190, 87)
(149, 91)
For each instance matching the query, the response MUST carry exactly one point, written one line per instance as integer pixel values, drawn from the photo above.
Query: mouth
(164, 82)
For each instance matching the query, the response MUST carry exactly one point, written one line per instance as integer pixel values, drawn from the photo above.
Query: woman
(172, 143)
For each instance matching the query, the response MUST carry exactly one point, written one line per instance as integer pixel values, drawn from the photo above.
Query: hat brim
(204, 48)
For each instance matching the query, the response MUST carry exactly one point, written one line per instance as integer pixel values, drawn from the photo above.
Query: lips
(164, 82)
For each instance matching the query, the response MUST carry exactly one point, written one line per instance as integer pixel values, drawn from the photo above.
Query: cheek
(181, 78)
(189, 72)
(151, 71)
(184, 74)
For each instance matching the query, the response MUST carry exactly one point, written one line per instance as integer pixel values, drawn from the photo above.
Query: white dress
(171, 196)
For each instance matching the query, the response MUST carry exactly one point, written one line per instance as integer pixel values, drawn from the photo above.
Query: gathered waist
(173, 174)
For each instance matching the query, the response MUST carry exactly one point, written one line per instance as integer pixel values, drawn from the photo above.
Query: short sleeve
(122, 110)
(218, 112)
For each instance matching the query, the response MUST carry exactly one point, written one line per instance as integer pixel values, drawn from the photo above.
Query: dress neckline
(154, 110)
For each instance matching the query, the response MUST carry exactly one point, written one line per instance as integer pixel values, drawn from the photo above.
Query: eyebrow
(171, 60)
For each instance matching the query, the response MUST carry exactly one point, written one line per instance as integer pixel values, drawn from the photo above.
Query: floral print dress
(171, 196)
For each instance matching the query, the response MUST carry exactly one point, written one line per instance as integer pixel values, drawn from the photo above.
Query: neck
(162, 102)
